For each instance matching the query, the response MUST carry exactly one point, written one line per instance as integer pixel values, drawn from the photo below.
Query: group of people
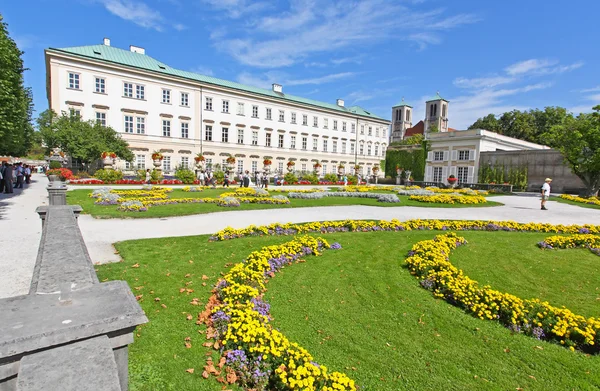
(13, 176)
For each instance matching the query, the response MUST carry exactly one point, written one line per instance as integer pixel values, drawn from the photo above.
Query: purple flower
(584, 231)
(427, 284)
(260, 306)
(538, 332)
(336, 246)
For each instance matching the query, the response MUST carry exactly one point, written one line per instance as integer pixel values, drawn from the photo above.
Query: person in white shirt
(545, 192)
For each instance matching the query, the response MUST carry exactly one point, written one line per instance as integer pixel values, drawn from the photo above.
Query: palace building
(179, 113)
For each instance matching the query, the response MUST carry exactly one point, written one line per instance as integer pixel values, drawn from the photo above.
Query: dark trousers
(8, 187)
(1, 185)
(19, 182)
(28, 179)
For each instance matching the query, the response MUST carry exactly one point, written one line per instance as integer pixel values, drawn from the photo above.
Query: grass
(358, 310)
(581, 204)
(81, 197)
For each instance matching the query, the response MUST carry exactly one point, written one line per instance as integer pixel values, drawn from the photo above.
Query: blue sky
(483, 56)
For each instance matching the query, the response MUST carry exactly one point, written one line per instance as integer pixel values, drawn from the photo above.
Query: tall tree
(489, 122)
(82, 140)
(578, 139)
(15, 99)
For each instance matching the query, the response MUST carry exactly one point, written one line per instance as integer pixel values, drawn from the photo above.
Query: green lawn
(359, 311)
(581, 204)
(81, 197)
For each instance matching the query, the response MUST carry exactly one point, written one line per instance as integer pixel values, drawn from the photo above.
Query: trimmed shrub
(330, 178)
(55, 164)
(290, 178)
(185, 175)
(108, 176)
(312, 178)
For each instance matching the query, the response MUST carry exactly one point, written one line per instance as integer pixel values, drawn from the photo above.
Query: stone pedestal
(57, 193)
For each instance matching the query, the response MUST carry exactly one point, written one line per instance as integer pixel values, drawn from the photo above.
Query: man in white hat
(545, 192)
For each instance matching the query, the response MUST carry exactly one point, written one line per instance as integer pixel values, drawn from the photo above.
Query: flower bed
(193, 189)
(449, 199)
(391, 198)
(93, 181)
(428, 261)
(589, 201)
(132, 206)
(466, 191)
(254, 354)
(584, 239)
(86, 181)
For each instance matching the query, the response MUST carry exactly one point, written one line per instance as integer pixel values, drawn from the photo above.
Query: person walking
(27, 174)
(545, 189)
(2, 170)
(148, 176)
(201, 178)
(8, 178)
(19, 174)
(246, 179)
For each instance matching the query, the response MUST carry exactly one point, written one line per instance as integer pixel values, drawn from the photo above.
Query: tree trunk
(592, 184)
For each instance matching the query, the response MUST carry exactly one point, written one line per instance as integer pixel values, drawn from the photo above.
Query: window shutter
(444, 174)
(470, 172)
(429, 156)
(453, 170)
(446, 153)
(454, 155)
(428, 173)
(472, 155)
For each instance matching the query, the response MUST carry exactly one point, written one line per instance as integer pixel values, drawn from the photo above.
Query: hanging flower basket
(267, 162)
(291, 163)
(231, 160)
(156, 155)
(108, 155)
(199, 158)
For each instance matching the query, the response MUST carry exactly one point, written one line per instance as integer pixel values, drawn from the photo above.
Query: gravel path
(18, 218)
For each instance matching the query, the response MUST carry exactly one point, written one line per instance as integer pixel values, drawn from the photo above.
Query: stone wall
(540, 165)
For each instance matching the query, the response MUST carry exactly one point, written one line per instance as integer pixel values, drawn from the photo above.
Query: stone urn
(157, 164)
(267, 168)
(53, 178)
(340, 171)
(107, 163)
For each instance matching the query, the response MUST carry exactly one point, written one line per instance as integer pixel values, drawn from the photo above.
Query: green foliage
(290, 177)
(416, 139)
(578, 139)
(219, 175)
(330, 178)
(155, 175)
(82, 140)
(352, 179)
(413, 160)
(516, 176)
(434, 129)
(83, 174)
(16, 130)
(312, 178)
(108, 176)
(55, 164)
(185, 175)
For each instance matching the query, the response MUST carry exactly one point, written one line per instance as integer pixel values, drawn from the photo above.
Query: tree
(15, 99)
(489, 122)
(434, 128)
(82, 140)
(578, 139)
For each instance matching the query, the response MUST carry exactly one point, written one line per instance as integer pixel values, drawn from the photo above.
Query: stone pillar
(57, 193)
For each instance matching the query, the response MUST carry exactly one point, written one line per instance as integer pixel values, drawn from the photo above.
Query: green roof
(436, 97)
(142, 61)
(402, 104)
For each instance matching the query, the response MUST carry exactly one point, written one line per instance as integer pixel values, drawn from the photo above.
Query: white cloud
(593, 89)
(482, 82)
(235, 9)
(347, 60)
(136, 12)
(179, 27)
(540, 67)
(203, 70)
(592, 100)
(283, 40)
(267, 78)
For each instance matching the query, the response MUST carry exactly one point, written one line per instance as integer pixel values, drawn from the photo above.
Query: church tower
(436, 114)
(401, 120)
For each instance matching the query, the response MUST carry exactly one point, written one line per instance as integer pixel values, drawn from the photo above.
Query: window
(304, 119)
(139, 91)
(185, 99)
(140, 162)
(100, 85)
(343, 147)
(226, 106)
(324, 145)
(101, 118)
(353, 128)
(316, 122)
(208, 105)
(208, 136)
(334, 146)
(166, 163)
(408, 116)
(74, 80)
(315, 142)
(304, 142)
(376, 132)
(185, 162)
(254, 137)
(140, 125)
(437, 174)
(352, 148)
(383, 132)
(369, 149)
(398, 115)
(240, 136)
(254, 111)
(166, 128)
(128, 124)
(254, 166)
(362, 129)
(463, 155)
(361, 149)
(343, 126)
(240, 165)
(438, 156)
(281, 167)
(376, 150)
(74, 112)
(128, 90)
(370, 131)
(325, 123)
(281, 116)
(267, 139)
(166, 96)
(269, 113)
(240, 108)
(225, 135)
(334, 124)
(293, 142)
(185, 128)
(303, 167)
(333, 171)
(280, 143)
(462, 174)
(324, 169)
(293, 118)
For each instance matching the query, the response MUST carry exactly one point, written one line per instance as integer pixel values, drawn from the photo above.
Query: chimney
(340, 102)
(277, 88)
(137, 49)
(106, 42)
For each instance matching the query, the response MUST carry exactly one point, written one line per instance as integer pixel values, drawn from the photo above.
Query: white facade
(457, 153)
(401, 120)
(146, 107)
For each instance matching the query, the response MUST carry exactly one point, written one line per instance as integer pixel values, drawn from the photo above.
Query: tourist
(545, 189)
(246, 179)
(201, 177)
(256, 181)
(27, 174)
(148, 176)
(2, 170)
(226, 180)
(19, 173)
(241, 179)
(8, 178)
(345, 180)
